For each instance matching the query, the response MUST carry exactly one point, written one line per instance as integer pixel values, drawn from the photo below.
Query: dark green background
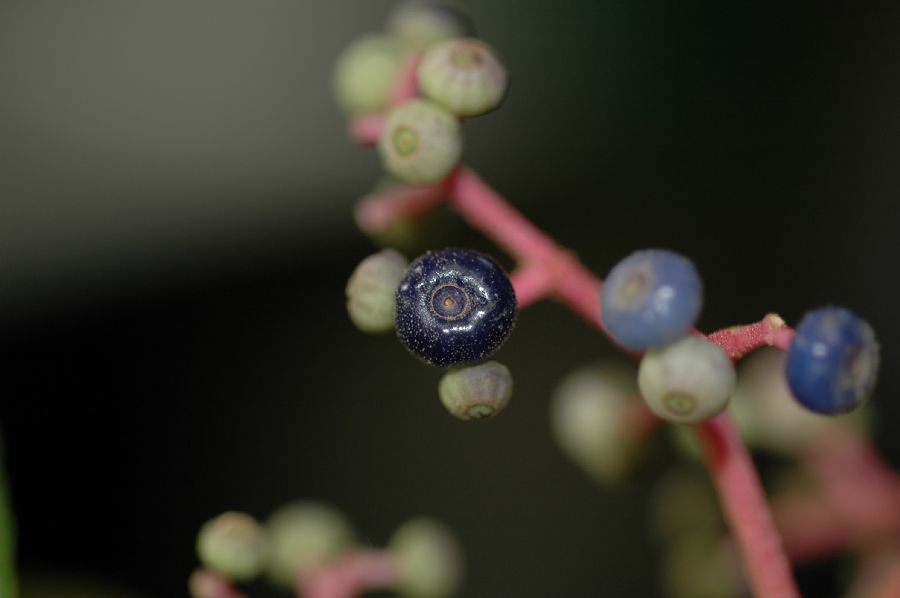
(175, 232)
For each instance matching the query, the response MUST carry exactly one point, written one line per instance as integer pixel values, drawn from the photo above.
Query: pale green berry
(372, 289)
(421, 142)
(234, 545)
(422, 23)
(365, 73)
(428, 558)
(464, 76)
(688, 381)
(589, 417)
(304, 536)
(476, 392)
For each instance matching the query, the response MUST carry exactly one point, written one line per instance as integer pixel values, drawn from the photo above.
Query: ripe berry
(455, 306)
(832, 364)
(365, 72)
(476, 392)
(428, 557)
(688, 381)
(651, 298)
(464, 76)
(421, 142)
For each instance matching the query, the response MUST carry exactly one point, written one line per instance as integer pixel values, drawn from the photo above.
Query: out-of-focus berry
(429, 559)
(421, 142)
(476, 392)
(422, 23)
(464, 76)
(372, 291)
(366, 71)
(234, 545)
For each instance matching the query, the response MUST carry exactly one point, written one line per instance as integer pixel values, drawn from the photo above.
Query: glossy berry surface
(455, 306)
(651, 298)
(832, 364)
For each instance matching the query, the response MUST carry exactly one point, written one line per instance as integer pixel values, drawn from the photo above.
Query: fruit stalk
(358, 572)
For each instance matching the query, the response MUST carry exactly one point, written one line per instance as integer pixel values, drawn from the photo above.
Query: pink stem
(406, 87)
(366, 129)
(744, 503)
(208, 584)
(353, 574)
(376, 212)
(737, 341)
(531, 284)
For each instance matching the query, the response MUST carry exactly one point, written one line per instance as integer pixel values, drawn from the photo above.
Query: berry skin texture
(688, 381)
(429, 559)
(832, 363)
(464, 76)
(421, 142)
(476, 392)
(455, 306)
(372, 290)
(234, 545)
(365, 72)
(651, 298)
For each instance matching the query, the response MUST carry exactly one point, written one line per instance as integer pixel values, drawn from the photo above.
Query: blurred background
(176, 193)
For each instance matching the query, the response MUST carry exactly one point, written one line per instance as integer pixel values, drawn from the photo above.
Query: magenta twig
(350, 576)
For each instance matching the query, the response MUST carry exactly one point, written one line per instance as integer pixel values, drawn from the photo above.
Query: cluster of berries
(303, 538)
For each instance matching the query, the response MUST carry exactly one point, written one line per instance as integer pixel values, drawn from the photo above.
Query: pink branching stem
(737, 341)
(374, 213)
(577, 287)
(531, 284)
(208, 584)
(357, 572)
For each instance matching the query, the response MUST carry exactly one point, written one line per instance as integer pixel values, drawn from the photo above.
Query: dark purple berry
(455, 306)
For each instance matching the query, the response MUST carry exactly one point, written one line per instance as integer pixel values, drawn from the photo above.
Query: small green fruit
(234, 545)
(476, 392)
(372, 289)
(421, 142)
(464, 76)
(429, 559)
(365, 73)
(304, 536)
(422, 23)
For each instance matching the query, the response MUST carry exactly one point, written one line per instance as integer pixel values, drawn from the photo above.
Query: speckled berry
(372, 291)
(234, 545)
(429, 559)
(464, 76)
(832, 364)
(688, 381)
(651, 298)
(455, 306)
(421, 142)
(476, 392)
(304, 535)
(365, 73)
(422, 23)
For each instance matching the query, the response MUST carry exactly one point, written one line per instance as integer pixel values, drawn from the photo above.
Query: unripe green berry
(590, 420)
(304, 536)
(464, 76)
(372, 289)
(688, 381)
(234, 545)
(421, 142)
(422, 23)
(476, 392)
(365, 73)
(428, 557)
